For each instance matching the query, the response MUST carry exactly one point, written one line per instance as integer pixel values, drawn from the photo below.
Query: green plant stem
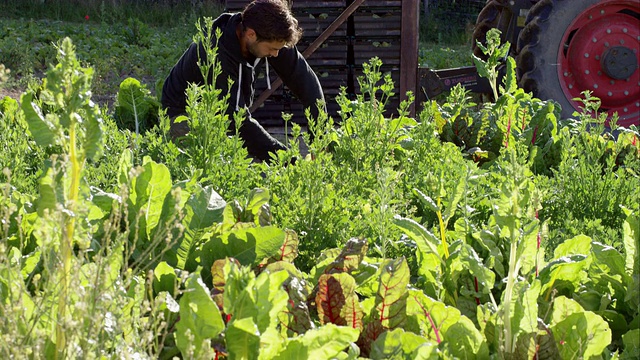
(443, 237)
(67, 239)
(514, 268)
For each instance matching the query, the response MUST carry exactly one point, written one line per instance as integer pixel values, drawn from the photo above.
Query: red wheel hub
(601, 53)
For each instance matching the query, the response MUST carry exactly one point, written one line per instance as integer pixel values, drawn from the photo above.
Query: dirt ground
(12, 93)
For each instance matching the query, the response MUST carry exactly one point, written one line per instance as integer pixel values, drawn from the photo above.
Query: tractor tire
(566, 48)
(494, 14)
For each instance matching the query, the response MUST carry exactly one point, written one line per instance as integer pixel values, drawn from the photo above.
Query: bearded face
(262, 49)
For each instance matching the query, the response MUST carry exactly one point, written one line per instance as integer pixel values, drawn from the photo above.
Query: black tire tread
(527, 41)
(536, 44)
(489, 18)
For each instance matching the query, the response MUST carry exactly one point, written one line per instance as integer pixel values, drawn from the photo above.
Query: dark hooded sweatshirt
(290, 66)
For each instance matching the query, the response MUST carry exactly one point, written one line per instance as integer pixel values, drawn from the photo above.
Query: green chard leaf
(200, 319)
(396, 344)
(391, 300)
(248, 245)
(390, 307)
(164, 279)
(578, 332)
(631, 341)
(325, 342)
(433, 317)
(631, 238)
(148, 191)
(464, 341)
(243, 339)
(203, 208)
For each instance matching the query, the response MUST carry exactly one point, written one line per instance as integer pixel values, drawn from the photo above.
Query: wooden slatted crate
(383, 28)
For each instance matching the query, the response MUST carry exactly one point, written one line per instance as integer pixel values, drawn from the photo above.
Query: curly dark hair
(272, 20)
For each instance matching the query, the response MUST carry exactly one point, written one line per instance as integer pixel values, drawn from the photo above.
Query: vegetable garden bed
(472, 231)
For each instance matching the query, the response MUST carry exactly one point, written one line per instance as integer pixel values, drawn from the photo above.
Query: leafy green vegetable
(135, 108)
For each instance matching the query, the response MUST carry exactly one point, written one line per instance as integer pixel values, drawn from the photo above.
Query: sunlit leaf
(41, 128)
(337, 301)
(322, 343)
(199, 317)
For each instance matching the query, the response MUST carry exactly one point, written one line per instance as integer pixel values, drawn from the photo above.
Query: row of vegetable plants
(462, 233)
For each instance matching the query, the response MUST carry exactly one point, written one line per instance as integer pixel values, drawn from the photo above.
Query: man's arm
(298, 76)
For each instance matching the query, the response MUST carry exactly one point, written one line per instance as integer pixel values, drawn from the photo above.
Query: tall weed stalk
(66, 290)
(223, 160)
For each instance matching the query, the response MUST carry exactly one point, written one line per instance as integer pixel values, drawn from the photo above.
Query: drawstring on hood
(239, 86)
(268, 80)
(255, 63)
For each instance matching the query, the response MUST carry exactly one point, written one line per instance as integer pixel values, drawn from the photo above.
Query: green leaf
(236, 280)
(131, 96)
(249, 245)
(425, 240)
(104, 200)
(563, 273)
(464, 341)
(243, 339)
(582, 335)
(631, 239)
(42, 129)
(608, 260)
(579, 245)
(434, 318)
(51, 188)
(259, 299)
(563, 307)
(452, 201)
(524, 315)
(148, 192)
(135, 108)
(200, 318)
(391, 300)
(92, 143)
(426, 351)
(257, 198)
(396, 344)
(289, 249)
(164, 279)
(270, 298)
(325, 342)
(426, 200)
(337, 301)
(202, 209)
(125, 163)
(509, 80)
(474, 264)
(631, 341)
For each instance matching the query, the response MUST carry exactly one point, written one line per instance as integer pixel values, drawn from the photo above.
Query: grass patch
(169, 13)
